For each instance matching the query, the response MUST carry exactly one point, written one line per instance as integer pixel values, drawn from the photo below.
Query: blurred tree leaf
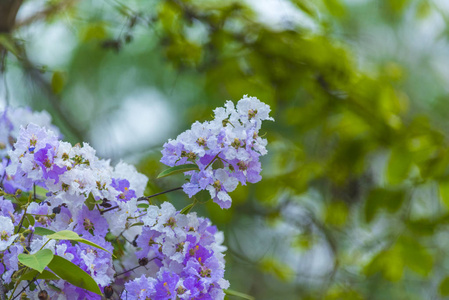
(335, 7)
(94, 32)
(399, 164)
(406, 251)
(336, 213)
(57, 82)
(277, 268)
(444, 287)
(378, 198)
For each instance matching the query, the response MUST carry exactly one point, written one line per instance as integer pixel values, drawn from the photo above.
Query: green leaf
(415, 255)
(398, 6)
(29, 221)
(58, 82)
(279, 269)
(143, 205)
(73, 274)
(91, 202)
(41, 192)
(238, 294)
(444, 192)
(46, 275)
(94, 32)
(406, 252)
(399, 165)
(187, 209)
(423, 10)
(444, 287)
(389, 263)
(218, 164)
(42, 231)
(305, 7)
(137, 224)
(203, 196)
(178, 169)
(390, 199)
(73, 236)
(37, 261)
(335, 7)
(336, 213)
(7, 42)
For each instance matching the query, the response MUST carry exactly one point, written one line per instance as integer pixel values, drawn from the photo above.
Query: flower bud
(43, 295)
(143, 261)
(108, 291)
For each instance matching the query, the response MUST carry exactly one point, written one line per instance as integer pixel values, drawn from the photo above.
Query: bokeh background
(355, 192)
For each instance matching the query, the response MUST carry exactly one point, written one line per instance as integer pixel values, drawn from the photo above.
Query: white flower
(7, 235)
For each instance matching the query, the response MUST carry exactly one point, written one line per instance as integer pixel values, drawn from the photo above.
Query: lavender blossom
(231, 140)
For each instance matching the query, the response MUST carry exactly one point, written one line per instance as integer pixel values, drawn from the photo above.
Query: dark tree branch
(55, 101)
(47, 12)
(8, 12)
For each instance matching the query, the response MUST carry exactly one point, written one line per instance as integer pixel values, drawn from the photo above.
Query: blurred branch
(8, 12)
(46, 13)
(55, 101)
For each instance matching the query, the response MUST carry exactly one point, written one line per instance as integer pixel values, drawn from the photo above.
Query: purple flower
(147, 242)
(166, 286)
(140, 288)
(122, 185)
(222, 185)
(91, 222)
(230, 140)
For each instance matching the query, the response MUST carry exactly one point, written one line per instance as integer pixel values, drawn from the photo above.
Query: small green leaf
(143, 205)
(94, 32)
(238, 294)
(187, 209)
(42, 231)
(444, 287)
(390, 199)
(57, 82)
(178, 169)
(218, 164)
(46, 275)
(37, 261)
(91, 202)
(41, 192)
(203, 196)
(335, 7)
(399, 165)
(305, 7)
(29, 221)
(7, 42)
(137, 224)
(54, 287)
(444, 192)
(72, 236)
(73, 274)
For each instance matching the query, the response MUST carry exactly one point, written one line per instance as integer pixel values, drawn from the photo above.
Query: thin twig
(43, 14)
(29, 283)
(54, 100)
(143, 199)
(157, 194)
(2, 290)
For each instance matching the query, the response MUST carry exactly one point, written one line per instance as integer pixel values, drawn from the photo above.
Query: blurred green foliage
(355, 192)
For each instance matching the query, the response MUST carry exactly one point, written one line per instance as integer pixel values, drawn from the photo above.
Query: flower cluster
(226, 149)
(185, 255)
(10, 123)
(60, 202)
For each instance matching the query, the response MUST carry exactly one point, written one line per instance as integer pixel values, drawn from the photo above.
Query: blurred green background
(355, 192)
